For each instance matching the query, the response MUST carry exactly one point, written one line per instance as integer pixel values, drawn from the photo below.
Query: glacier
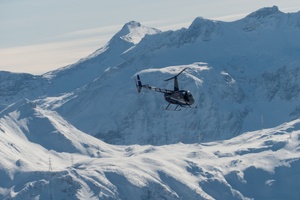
(83, 132)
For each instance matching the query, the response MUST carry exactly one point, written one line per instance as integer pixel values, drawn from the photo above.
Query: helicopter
(182, 98)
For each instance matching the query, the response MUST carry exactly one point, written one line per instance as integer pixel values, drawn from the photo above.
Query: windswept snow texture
(244, 76)
(83, 131)
(45, 157)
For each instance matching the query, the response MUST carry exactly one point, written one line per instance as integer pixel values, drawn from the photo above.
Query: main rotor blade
(170, 78)
(176, 75)
(182, 71)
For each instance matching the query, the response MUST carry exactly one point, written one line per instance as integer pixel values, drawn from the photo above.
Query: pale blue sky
(42, 35)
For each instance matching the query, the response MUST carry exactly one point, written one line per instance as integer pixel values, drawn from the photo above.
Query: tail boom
(139, 87)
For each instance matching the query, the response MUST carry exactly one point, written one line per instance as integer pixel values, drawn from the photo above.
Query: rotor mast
(176, 85)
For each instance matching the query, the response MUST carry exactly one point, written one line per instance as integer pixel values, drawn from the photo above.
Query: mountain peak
(265, 18)
(264, 12)
(203, 28)
(133, 32)
(200, 21)
(132, 24)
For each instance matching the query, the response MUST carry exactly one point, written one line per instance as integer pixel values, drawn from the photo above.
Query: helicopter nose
(191, 100)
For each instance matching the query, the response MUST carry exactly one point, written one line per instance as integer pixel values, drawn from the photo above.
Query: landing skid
(167, 108)
(177, 105)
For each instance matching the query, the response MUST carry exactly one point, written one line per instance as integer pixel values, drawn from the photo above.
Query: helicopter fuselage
(180, 97)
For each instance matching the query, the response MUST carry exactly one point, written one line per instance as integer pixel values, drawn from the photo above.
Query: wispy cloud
(41, 58)
(71, 46)
(165, 25)
(230, 17)
(107, 30)
(38, 59)
(67, 48)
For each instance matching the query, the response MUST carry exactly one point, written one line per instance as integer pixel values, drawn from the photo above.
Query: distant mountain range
(244, 75)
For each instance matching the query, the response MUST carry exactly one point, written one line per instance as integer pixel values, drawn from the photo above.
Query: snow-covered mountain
(244, 76)
(45, 157)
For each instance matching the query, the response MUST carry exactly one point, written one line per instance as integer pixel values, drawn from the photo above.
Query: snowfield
(83, 131)
(61, 162)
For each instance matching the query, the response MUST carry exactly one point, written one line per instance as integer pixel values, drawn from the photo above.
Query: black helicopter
(182, 98)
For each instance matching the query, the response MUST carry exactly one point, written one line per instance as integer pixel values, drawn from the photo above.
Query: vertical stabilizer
(139, 84)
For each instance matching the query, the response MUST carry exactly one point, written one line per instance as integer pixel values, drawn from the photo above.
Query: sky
(37, 36)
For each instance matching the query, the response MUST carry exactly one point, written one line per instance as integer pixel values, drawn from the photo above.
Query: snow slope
(241, 142)
(251, 82)
(53, 160)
